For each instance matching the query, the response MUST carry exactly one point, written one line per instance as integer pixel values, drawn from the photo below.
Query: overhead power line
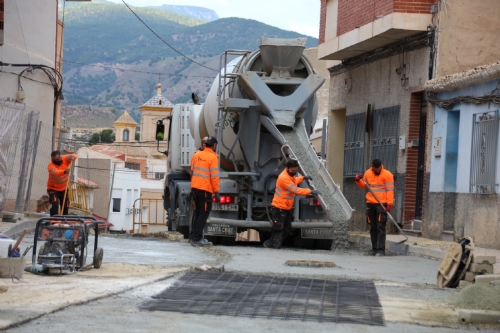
(139, 71)
(170, 46)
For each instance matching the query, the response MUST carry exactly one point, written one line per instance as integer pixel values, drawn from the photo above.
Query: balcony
(363, 29)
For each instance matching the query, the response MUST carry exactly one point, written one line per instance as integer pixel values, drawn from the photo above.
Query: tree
(137, 136)
(104, 136)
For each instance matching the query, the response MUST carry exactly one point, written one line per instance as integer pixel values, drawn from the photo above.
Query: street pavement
(135, 269)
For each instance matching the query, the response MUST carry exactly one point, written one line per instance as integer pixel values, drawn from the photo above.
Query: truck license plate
(317, 233)
(216, 206)
(219, 229)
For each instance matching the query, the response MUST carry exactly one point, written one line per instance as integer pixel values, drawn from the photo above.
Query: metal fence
(385, 137)
(354, 146)
(148, 212)
(25, 145)
(484, 152)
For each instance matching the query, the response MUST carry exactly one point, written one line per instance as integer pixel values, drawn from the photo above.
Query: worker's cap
(211, 140)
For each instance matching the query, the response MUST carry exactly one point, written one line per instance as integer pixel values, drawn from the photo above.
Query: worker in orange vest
(195, 216)
(381, 181)
(58, 181)
(281, 207)
(199, 149)
(204, 185)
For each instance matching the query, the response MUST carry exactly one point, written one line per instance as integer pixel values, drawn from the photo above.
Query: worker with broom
(58, 182)
(380, 183)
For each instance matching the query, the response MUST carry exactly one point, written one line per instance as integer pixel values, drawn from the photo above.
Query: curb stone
(478, 316)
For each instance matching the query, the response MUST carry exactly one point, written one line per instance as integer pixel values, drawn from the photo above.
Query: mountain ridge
(200, 13)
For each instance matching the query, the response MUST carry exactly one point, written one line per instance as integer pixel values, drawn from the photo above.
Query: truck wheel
(99, 253)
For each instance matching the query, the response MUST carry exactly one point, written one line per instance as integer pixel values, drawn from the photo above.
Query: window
(125, 135)
(159, 175)
(133, 166)
(385, 141)
(117, 202)
(354, 146)
(484, 152)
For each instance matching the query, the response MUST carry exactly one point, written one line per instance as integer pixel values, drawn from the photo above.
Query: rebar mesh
(270, 297)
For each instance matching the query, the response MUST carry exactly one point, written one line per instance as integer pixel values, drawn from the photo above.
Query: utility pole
(110, 196)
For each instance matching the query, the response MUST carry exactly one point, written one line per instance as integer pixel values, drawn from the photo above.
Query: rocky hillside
(111, 60)
(199, 13)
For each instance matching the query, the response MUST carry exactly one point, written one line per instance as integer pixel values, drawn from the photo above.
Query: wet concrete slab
(151, 252)
(141, 251)
(354, 265)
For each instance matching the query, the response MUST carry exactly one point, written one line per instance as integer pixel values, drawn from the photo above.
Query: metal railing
(148, 212)
(77, 194)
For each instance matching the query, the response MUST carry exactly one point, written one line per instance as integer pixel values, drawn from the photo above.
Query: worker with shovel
(57, 184)
(379, 201)
(287, 187)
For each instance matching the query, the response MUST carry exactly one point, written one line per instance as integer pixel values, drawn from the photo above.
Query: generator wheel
(99, 253)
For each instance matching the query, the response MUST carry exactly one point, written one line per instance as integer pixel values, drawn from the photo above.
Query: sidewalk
(419, 246)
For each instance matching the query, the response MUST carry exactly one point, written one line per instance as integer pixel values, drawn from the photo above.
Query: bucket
(4, 246)
(12, 266)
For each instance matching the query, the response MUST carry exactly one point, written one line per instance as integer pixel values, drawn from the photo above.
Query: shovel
(389, 215)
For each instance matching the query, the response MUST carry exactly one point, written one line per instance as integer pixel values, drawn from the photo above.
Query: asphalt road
(402, 282)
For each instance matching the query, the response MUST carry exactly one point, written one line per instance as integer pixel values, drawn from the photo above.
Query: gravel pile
(335, 212)
(479, 296)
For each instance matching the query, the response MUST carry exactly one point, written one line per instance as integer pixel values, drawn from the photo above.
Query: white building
(30, 36)
(126, 189)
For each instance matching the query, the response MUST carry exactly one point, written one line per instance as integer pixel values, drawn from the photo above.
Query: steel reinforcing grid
(284, 298)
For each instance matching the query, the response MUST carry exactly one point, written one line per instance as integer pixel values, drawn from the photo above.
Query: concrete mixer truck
(262, 108)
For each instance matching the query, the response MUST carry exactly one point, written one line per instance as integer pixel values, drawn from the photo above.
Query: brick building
(380, 54)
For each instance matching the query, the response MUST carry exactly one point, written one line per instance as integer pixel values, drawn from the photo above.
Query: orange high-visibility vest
(286, 190)
(205, 168)
(382, 185)
(58, 180)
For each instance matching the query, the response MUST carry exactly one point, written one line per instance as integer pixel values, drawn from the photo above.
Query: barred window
(354, 146)
(385, 140)
(484, 152)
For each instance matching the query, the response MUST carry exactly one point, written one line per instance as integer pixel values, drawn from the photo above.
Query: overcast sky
(301, 16)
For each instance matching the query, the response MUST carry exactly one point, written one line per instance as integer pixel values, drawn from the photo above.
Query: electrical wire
(139, 71)
(53, 75)
(493, 96)
(170, 46)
